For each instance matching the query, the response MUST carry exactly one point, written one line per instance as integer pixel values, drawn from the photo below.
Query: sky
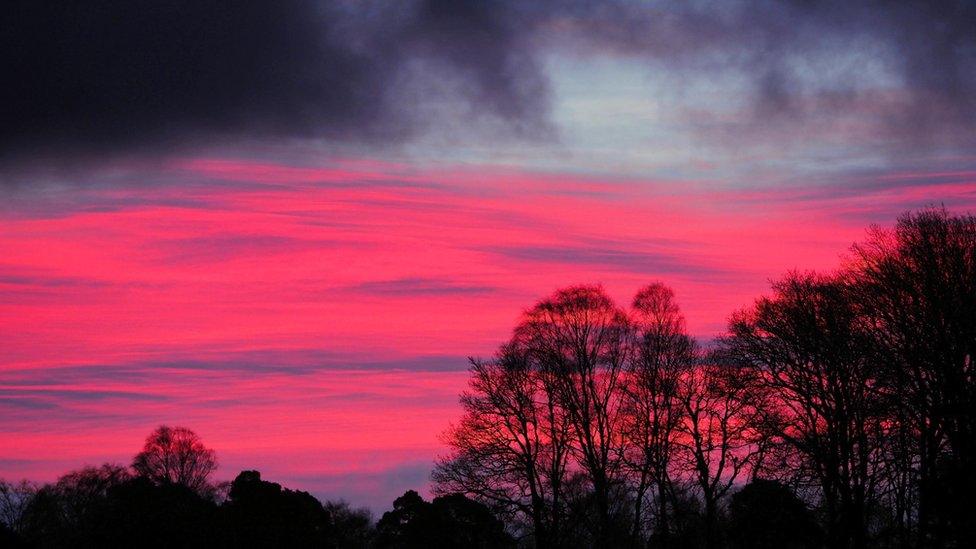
(287, 227)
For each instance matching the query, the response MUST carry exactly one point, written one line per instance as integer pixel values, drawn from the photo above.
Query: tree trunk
(711, 529)
(664, 530)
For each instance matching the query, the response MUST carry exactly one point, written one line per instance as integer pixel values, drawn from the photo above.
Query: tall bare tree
(580, 339)
(916, 284)
(662, 351)
(857, 389)
(807, 345)
(720, 439)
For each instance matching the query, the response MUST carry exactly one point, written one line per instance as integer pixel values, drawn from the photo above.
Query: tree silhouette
(766, 514)
(511, 446)
(579, 338)
(67, 512)
(351, 528)
(176, 455)
(719, 439)
(662, 353)
(449, 522)
(806, 345)
(917, 286)
(141, 513)
(14, 499)
(262, 514)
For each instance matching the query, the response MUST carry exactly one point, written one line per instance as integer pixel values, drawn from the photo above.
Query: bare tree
(14, 500)
(916, 285)
(856, 389)
(579, 338)
(807, 346)
(662, 351)
(61, 514)
(78, 490)
(720, 442)
(511, 447)
(176, 455)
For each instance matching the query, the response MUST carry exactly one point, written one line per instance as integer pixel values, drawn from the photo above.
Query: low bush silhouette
(766, 514)
(166, 499)
(451, 521)
(259, 513)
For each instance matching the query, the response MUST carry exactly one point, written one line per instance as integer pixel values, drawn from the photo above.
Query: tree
(176, 455)
(766, 514)
(141, 513)
(450, 522)
(579, 338)
(653, 411)
(719, 440)
(808, 347)
(14, 500)
(67, 512)
(259, 513)
(511, 447)
(81, 490)
(916, 286)
(351, 528)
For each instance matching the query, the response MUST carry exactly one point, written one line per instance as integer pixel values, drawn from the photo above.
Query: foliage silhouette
(173, 504)
(448, 522)
(176, 455)
(141, 513)
(262, 514)
(351, 528)
(766, 514)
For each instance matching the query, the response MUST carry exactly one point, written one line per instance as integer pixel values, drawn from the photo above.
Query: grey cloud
(110, 75)
(228, 246)
(798, 69)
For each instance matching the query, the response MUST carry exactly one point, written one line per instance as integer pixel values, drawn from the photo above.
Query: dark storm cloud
(104, 76)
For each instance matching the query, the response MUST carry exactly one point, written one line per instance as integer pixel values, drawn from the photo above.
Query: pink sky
(286, 227)
(312, 322)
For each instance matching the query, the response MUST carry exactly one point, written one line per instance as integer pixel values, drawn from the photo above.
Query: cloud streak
(636, 261)
(294, 316)
(420, 287)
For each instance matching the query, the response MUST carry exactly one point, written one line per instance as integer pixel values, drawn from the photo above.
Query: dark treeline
(167, 499)
(837, 412)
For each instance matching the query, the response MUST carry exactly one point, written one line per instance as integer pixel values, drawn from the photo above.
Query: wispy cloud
(601, 258)
(288, 321)
(420, 287)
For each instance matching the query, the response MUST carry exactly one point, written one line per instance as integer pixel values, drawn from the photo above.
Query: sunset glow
(307, 300)
(290, 313)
